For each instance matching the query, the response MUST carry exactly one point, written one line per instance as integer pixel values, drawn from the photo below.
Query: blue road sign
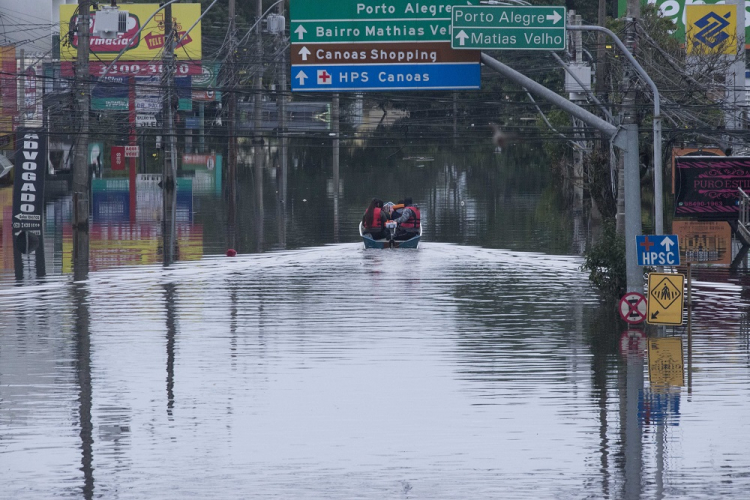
(335, 78)
(658, 250)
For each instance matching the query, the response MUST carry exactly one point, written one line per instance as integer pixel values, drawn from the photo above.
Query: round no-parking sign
(633, 308)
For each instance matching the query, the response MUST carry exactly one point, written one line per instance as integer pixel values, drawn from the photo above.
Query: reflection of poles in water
(579, 231)
(81, 238)
(85, 394)
(168, 225)
(18, 257)
(231, 212)
(23, 244)
(631, 429)
(169, 303)
(335, 133)
(259, 159)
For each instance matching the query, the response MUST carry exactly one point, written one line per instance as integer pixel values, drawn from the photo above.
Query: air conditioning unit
(109, 22)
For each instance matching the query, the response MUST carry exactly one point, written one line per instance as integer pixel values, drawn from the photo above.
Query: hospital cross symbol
(323, 77)
(646, 244)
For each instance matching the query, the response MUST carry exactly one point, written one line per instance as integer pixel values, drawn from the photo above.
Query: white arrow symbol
(462, 36)
(667, 243)
(304, 53)
(554, 17)
(302, 77)
(301, 30)
(27, 217)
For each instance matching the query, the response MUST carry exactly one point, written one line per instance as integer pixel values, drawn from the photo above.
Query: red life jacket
(413, 221)
(376, 224)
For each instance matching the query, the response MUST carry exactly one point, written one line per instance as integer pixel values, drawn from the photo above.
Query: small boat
(389, 241)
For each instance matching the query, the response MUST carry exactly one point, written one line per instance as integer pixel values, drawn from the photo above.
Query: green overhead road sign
(348, 30)
(501, 27)
(335, 21)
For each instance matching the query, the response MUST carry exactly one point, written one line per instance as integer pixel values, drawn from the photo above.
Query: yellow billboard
(711, 29)
(147, 45)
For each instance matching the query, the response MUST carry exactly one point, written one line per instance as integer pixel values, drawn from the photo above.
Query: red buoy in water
(231, 252)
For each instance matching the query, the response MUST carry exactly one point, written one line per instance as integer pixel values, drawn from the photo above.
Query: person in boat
(373, 221)
(388, 209)
(408, 219)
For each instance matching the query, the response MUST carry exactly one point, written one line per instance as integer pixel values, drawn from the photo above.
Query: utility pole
(736, 77)
(81, 174)
(232, 116)
(629, 176)
(258, 82)
(281, 103)
(170, 150)
(629, 112)
(335, 129)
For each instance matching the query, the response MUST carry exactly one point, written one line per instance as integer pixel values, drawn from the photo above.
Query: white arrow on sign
(554, 17)
(301, 31)
(667, 244)
(462, 36)
(302, 77)
(304, 53)
(27, 217)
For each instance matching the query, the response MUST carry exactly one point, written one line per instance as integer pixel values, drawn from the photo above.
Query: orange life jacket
(376, 224)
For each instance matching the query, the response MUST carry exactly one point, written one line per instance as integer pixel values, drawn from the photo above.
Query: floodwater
(482, 365)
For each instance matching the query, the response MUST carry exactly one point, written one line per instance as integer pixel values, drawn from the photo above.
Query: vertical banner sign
(117, 157)
(28, 188)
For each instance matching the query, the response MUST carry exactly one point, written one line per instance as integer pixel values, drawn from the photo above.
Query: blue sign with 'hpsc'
(658, 250)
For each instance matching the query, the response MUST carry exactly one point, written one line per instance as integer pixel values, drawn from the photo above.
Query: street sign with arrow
(496, 27)
(658, 250)
(666, 299)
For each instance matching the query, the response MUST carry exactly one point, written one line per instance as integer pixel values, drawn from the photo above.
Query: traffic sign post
(504, 27)
(666, 299)
(633, 308)
(344, 45)
(658, 250)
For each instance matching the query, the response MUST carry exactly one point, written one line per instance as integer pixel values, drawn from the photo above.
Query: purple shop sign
(706, 187)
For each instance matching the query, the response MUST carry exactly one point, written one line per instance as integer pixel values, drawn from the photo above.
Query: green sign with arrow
(508, 28)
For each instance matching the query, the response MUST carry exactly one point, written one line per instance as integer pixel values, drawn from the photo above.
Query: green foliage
(605, 262)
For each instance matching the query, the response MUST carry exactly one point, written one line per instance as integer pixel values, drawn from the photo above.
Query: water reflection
(85, 390)
(488, 369)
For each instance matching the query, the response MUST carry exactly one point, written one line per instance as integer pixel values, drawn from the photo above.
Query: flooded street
(482, 365)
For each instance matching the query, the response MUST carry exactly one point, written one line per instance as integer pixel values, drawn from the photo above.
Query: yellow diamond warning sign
(665, 299)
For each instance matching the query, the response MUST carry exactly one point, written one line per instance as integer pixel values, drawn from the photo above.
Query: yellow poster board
(704, 242)
(147, 46)
(711, 29)
(665, 365)
(666, 299)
